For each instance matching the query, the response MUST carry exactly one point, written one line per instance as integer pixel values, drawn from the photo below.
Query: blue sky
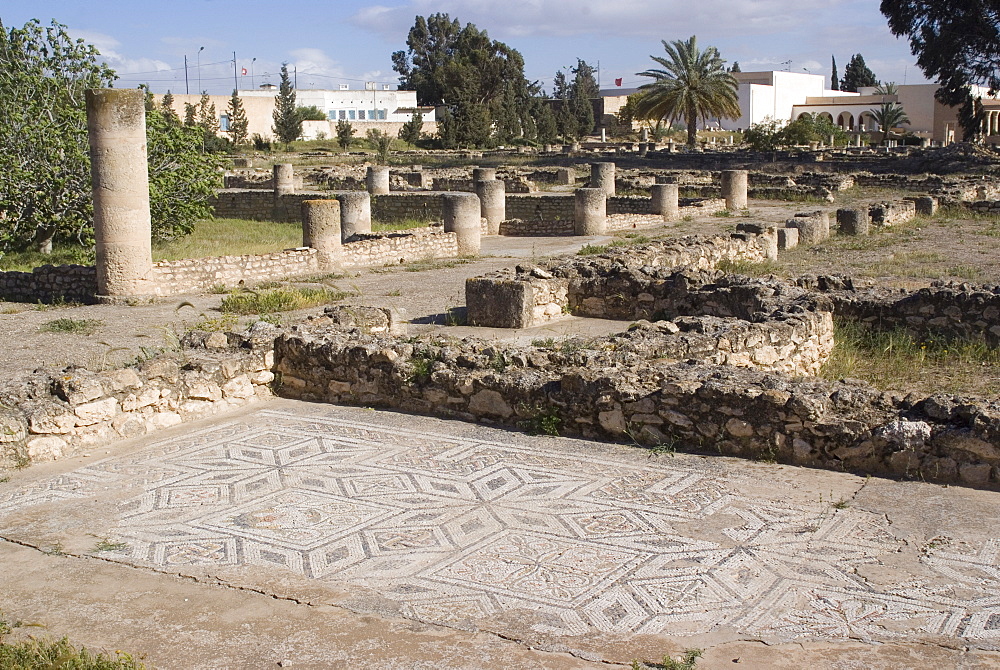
(349, 41)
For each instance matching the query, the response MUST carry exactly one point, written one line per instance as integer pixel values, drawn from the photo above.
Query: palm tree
(888, 116)
(692, 85)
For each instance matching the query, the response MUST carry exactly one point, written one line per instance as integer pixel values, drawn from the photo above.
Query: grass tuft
(71, 326)
(279, 300)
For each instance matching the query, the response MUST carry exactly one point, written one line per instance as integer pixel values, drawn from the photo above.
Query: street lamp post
(200, 49)
(252, 86)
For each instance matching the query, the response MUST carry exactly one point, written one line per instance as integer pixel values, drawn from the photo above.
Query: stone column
(591, 211)
(377, 180)
(321, 231)
(665, 201)
(284, 179)
(734, 189)
(565, 176)
(644, 135)
(643, 149)
(462, 217)
(355, 213)
(602, 176)
(483, 174)
(493, 203)
(116, 126)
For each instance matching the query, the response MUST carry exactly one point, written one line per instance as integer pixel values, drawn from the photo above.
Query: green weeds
(283, 299)
(71, 326)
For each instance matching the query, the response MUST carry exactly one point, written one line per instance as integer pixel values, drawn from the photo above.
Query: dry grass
(230, 237)
(896, 360)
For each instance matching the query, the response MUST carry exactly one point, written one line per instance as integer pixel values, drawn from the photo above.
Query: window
(351, 114)
(361, 115)
(381, 114)
(332, 115)
(224, 123)
(343, 114)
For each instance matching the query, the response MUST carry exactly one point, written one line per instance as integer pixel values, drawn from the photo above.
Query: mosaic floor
(459, 529)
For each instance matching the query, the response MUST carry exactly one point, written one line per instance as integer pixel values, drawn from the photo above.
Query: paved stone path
(564, 544)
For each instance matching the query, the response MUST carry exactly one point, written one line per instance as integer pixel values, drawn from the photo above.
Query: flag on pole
(244, 72)
(618, 82)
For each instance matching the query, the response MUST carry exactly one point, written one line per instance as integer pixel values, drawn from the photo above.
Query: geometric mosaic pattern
(457, 530)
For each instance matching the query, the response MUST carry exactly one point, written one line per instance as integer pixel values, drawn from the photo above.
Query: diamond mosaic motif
(458, 530)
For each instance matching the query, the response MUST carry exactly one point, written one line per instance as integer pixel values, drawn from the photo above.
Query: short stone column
(377, 180)
(734, 189)
(814, 227)
(565, 176)
(321, 231)
(483, 174)
(602, 176)
(355, 213)
(644, 135)
(854, 221)
(643, 149)
(116, 125)
(591, 211)
(462, 217)
(284, 179)
(925, 205)
(665, 201)
(493, 203)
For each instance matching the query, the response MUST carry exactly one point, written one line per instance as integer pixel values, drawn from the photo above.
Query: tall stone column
(377, 180)
(116, 125)
(493, 203)
(483, 174)
(284, 179)
(321, 231)
(734, 189)
(355, 213)
(602, 176)
(462, 217)
(665, 201)
(591, 211)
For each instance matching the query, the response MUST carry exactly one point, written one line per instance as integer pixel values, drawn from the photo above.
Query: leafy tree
(45, 192)
(345, 134)
(238, 123)
(287, 123)
(735, 67)
(957, 44)
(190, 114)
(546, 130)
(167, 108)
(770, 135)
(381, 142)
(834, 80)
(312, 113)
(764, 136)
(692, 85)
(411, 131)
(857, 74)
(182, 179)
(479, 80)
(44, 153)
(582, 90)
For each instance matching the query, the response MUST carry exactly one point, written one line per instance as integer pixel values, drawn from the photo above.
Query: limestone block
(490, 402)
(199, 389)
(129, 425)
(739, 428)
(78, 388)
(13, 427)
(262, 377)
(121, 380)
(49, 448)
(974, 474)
(612, 421)
(164, 420)
(95, 412)
(788, 238)
(238, 387)
(853, 221)
(51, 419)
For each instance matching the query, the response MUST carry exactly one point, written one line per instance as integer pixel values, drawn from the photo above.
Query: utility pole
(236, 82)
(252, 85)
(200, 49)
(295, 68)
(187, 89)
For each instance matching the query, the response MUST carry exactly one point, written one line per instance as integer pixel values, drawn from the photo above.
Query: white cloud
(646, 18)
(123, 65)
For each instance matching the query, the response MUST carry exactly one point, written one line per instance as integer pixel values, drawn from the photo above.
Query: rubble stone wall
(50, 283)
(709, 408)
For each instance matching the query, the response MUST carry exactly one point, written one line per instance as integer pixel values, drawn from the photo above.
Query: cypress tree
(238, 123)
(834, 81)
(287, 122)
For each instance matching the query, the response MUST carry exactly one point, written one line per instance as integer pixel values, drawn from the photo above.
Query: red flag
(244, 72)
(618, 82)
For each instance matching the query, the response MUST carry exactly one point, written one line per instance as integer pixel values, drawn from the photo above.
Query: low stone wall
(946, 310)
(523, 297)
(50, 283)
(612, 390)
(984, 206)
(193, 275)
(56, 416)
(891, 213)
